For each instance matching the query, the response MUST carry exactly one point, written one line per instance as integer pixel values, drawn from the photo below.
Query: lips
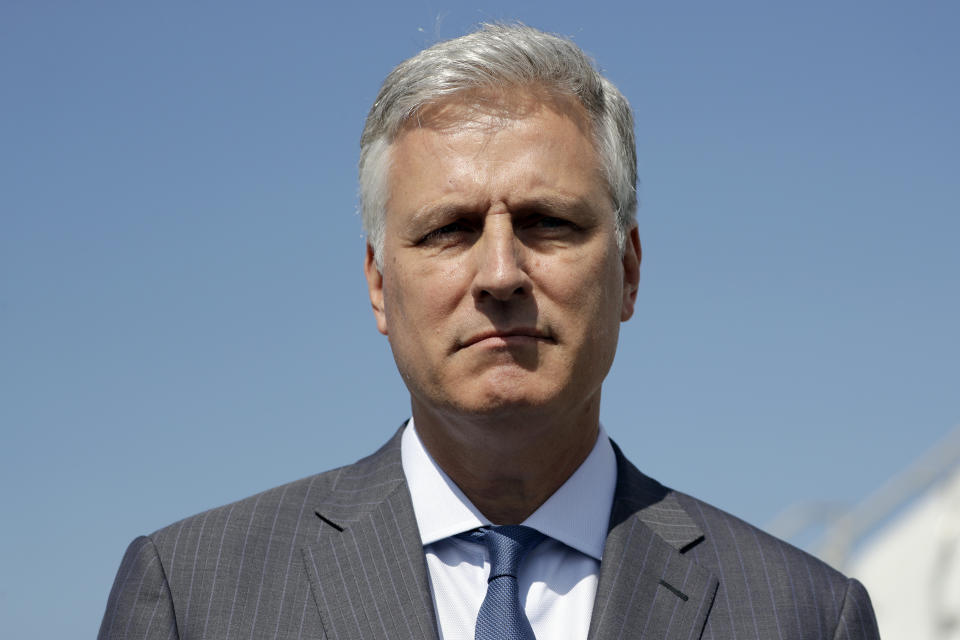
(505, 336)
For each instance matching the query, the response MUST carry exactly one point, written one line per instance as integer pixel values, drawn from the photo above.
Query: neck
(508, 466)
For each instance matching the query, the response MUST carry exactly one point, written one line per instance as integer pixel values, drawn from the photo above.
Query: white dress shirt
(558, 579)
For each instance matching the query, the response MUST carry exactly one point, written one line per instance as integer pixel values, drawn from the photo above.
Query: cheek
(592, 298)
(418, 302)
(587, 285)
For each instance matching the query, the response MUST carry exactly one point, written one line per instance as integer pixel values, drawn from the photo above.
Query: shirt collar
(576, 514)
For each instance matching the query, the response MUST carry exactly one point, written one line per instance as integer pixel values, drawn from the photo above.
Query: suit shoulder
(759, 572)
(280, 508)
(729, 540)
(286, 511)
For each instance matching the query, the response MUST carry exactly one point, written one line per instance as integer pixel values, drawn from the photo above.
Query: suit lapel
(367, 568)
(369, 578)
(648, 588)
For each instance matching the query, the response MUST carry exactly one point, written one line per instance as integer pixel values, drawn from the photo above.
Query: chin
(507, 401)
(499, 405)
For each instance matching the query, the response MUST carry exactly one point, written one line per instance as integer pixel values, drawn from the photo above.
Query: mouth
(506, 338)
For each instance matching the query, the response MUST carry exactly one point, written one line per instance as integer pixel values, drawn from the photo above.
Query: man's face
(502, 287)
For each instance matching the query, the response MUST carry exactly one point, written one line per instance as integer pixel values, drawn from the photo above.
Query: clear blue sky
(183, 319)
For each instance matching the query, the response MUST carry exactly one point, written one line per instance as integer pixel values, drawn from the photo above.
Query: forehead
(494, 145)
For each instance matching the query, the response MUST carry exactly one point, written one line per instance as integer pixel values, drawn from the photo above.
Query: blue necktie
(501, 615)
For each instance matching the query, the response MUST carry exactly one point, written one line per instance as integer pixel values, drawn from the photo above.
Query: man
(498, 180)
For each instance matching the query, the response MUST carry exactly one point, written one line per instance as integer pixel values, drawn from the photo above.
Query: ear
(375, 287)
(631, 273)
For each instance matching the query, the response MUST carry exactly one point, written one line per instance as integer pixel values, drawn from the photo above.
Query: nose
(500, 270)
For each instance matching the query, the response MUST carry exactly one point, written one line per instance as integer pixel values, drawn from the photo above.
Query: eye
(446, 232)
(549, 222)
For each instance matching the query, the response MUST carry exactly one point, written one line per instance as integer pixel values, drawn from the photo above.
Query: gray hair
(497, 57)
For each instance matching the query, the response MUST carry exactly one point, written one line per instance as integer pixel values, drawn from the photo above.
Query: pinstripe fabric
(338, 556)
(371, 580)
(675, 567)
(270, 567)
(648, 588)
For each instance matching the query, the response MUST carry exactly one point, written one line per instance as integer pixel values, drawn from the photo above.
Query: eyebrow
(546, 203)
(558, 204)
(432, 212)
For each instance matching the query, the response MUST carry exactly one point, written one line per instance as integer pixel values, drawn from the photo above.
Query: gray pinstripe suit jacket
(338, 556)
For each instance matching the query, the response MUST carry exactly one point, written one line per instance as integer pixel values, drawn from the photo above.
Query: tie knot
(508, 545)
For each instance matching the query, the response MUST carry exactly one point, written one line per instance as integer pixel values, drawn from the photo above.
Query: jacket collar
(369, 576)
(648, 587)
(367, 569)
